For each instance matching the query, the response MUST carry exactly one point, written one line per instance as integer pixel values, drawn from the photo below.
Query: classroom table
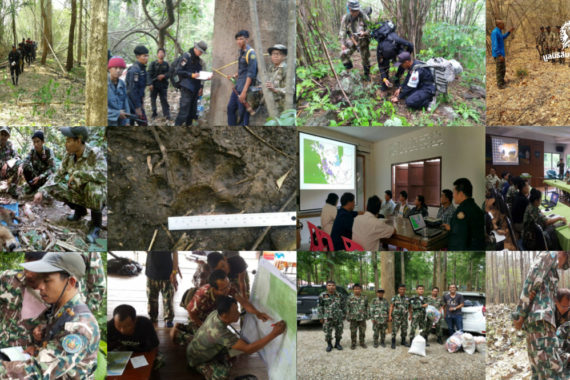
(140, 373)
(405, 237)
(561, 185)
(563, 232)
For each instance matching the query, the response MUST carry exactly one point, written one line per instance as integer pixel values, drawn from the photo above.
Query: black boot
(376, 343)
(329, 346)
(404, 342)
(337, 344)
(366, 73)
(96, 223)
(439, 340)
(426, 338)
(382, 343)
(353, 345)
(393, 346)
(79, 213)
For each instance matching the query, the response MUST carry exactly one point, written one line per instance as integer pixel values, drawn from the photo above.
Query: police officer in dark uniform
(14, 62)
(158, 73)
(467, 228)
(418, 88)
(389, 46)
(136, 83)
(246, 77)
(22, 53)
(191, 88)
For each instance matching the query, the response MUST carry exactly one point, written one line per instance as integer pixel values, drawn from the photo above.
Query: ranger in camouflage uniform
(552, 41)
(278, 75)
(38, 165)
(70, 341)
(540, 43)
(398, 314)
(533, 215)
(537, 317)
(417, 309)
(80, 181)
(354, 35)
(9, 161)
(214, 344)
(563, 336)
(15, 328)
(331, 311)
(356, 314)
(378, 313)
(94, 286)
(438, 303)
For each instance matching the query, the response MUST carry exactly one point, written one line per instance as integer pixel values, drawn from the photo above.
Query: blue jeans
(454, 320)
(233, 106)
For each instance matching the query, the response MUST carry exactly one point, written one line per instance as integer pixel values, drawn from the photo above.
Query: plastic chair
(539, 235)
(351, 245)
(325, 242)
(313, 236)
(512, 233)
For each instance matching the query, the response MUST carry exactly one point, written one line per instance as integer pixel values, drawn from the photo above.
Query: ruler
(203, 222)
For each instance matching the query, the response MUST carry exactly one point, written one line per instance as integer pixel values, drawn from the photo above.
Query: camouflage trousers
(90, 195)
(363, 44)
(183, 334)
(542, 346)
(217, 369)
(427, 328)
(329, 325)
(379, 329)
(418, 322)
(501, 69)
(153, 288)
(12, 177)
(400, 322)
(361, 327)
(29, 175)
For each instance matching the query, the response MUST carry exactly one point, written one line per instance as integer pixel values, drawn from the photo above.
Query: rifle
(247, 106)
(135, 118)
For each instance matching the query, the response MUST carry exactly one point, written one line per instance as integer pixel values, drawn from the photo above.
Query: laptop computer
(553, 201)
(419, 226)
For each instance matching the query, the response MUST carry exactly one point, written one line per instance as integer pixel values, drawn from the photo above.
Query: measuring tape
(203, 222)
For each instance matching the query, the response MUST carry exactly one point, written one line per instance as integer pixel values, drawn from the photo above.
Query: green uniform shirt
(379, 309)
(401, 305)
(331, 306)
(357, 308)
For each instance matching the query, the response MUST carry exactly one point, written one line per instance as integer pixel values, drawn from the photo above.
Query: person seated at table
(328, 213)
(420, 207)
(343, 222)
(512, 192)
(129, 332)
(496, 220)
(446, 211)
(388, 205)
(532, 216)
(503, 180)
(492, 180)
(506, 185)
(520, 204)
(368, 229)
(402, 207)
(214, 344)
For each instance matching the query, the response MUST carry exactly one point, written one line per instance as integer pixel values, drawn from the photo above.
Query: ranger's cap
(279, 47)
(202, 46)
(380, 291)
(5, 129)
(69, 262)
(353, 5)
(403, 57)
(75, 132)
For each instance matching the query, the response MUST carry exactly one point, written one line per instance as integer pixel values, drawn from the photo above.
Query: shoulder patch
(252, 56)
(20, 276)
(460, 215)
(72, 343)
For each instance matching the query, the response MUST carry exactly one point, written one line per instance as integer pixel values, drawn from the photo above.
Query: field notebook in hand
(13, 354)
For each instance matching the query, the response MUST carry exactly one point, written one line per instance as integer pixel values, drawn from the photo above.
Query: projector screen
(505, 151)
(326, 166)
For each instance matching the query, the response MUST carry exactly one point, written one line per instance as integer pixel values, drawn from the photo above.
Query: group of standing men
(548, 42)
(18, 56)
(334, 308)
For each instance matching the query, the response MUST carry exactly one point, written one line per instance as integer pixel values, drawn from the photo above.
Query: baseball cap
(70, 262)
(403, 57)
(75, 132)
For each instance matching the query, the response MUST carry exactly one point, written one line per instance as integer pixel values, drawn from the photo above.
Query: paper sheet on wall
(274, 294)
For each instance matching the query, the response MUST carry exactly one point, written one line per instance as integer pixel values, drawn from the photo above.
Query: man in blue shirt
(246, 77)
(343, 222)
(136, 84)
(498, 43)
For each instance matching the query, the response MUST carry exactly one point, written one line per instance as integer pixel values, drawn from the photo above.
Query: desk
(562, 185)
(405, 237)
(139, 373)
(563, 232)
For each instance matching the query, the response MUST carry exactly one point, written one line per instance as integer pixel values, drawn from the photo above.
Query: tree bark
(291, 57)
(444, 273)
(80, 32)
(470, 279)
(96, 83)
(47, 38)
(13, 11)
(267, 94)
(69, 63)
(387, 270)
(375, 265)
(162, 29)
(403, 267)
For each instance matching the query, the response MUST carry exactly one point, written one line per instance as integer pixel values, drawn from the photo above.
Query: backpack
(383, 31)
(173, 69)
(442, 72)
(187, 297)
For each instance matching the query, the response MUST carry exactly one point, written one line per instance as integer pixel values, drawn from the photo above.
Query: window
(551, 161)
(418, 178)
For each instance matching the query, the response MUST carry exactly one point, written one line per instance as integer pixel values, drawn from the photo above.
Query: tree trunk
(403, 267)
(96, 81)
(470, 279)
(331, 265)
(291, 58)
(13, 11)
(410, 16)
(69, 63)
(80, 31)
(360, 266)
(455, 269)
(375, 264)
(387, 269)
(444, 272)
(47, 38)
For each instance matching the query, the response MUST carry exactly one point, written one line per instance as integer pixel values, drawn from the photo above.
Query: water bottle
(200, 108)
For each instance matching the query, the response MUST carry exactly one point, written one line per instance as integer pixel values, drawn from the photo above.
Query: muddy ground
(313, 362)
(215, 170)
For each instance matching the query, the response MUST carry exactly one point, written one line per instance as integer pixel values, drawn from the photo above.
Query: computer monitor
(417, 221)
